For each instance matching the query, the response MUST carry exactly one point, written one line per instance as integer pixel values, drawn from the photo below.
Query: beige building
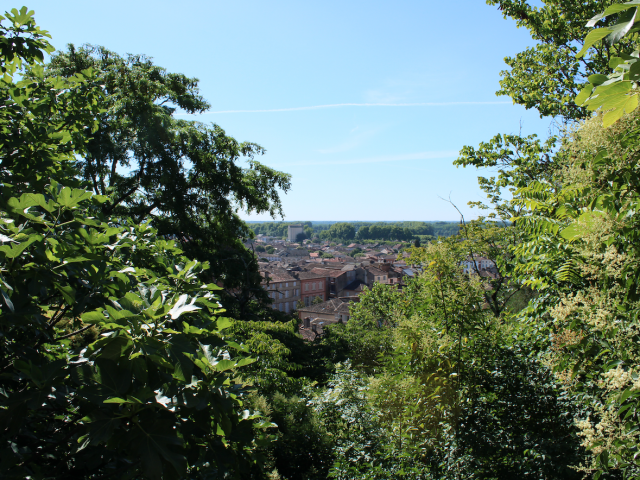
(283, 289)
(293, 231)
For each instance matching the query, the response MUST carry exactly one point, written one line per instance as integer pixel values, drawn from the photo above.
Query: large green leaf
(158, 447)
(593, 37)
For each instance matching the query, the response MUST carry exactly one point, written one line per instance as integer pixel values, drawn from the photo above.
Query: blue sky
(365, 103)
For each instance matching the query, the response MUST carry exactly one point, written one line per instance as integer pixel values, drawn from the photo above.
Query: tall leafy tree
(342, 231)
(112, 360)
(550, 74)
(579, 224)
(188, 176)
(546, 77)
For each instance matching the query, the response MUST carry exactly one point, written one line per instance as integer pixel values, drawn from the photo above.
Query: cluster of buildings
(318, 281)
(301, 279)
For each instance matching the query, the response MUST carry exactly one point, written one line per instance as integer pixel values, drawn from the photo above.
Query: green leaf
(593, 37)
(626, 394)
(584, 94)
(115, 380)
(612, 117)
(12, 251)
(223, 365)
(115, 400)
(101, 426)
(7, 300)
(68, 293)
(182, 306)
(72, 197)
(245, 361)
(619, 7)
(621, 27)
(94, 317)
(155, 442)
(597, 79)
(223, 322)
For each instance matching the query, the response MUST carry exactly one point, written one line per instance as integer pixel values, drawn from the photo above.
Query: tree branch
(73, 333)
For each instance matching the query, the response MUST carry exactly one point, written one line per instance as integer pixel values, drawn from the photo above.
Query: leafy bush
(112, 355)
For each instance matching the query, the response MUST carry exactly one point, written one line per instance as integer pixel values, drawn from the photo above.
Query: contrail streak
(339, 105)
(431, 155)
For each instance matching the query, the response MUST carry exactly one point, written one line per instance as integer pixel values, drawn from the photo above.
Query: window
(320, 285)
(286, 307)
(314, 286)
(286, 284)
(297, 292)
(306, 287)
(286, 294)
(281, 295)
(294, 284)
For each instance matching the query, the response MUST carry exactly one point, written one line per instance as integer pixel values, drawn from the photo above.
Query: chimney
(307, 322)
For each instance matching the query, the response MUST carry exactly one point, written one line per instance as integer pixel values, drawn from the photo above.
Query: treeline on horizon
(383, 231)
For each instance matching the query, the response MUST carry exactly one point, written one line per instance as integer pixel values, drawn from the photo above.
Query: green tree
(363, 233)
(580, 253)
(112, 354)
(575, 211)
(308, 231)
(342, 231)
(454, 376)
(616, 93)
(396, 233)
(317, 300)
(519, 161)
(367, 334)
(375, 232)
(350, 422)
(549, 75)
(186, 175)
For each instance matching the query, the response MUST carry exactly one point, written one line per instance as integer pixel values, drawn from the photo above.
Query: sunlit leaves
(101, 320)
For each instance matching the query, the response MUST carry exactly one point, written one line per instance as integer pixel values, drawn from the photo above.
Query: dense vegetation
(360, 231)
(135, 341)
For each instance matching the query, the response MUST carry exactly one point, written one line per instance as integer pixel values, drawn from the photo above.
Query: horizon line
(346, 221)
(340, 105)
